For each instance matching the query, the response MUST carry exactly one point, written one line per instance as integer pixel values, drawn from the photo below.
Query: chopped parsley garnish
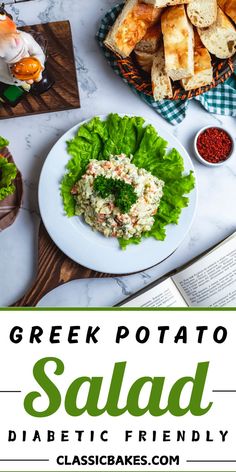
(125, 195)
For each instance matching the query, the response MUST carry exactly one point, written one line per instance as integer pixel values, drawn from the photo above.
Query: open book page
(164, 295)
(211, 281)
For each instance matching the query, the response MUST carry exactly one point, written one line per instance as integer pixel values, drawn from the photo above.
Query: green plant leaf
(8, 172)
(3, 142)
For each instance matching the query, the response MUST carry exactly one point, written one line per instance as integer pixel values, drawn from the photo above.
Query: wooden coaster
(64, 94)
(10, 206)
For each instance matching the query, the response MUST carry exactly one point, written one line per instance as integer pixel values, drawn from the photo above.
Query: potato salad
(102, 214)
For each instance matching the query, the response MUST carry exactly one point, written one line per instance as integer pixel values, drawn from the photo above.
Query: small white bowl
(213, 164)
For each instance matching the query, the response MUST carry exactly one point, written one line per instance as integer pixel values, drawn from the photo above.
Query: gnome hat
(7, 25)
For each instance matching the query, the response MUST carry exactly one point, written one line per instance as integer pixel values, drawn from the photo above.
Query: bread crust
(220, 38)
(203, 70)
(130, 27)
(145, 60)
(161, 83)
(167, 3)
(202, 13)
(228, 7)
(178, 43)
(151, 40)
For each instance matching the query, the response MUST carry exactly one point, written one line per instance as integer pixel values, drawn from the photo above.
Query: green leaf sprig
(3, 142)
(125, 195)
(8, 172)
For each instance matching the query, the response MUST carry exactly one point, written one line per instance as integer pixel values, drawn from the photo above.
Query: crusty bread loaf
(131, 26)
(161, 83)
(151, 40)
(202, 13)
(219, 38)
(166, 3)
(144, 60)
(203, 70)
(178, 39)
(229, 7)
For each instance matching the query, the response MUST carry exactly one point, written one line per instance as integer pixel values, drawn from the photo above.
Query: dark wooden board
(54, 269)
(64, 94)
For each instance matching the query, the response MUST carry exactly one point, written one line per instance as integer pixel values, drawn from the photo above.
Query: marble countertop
(101, 92)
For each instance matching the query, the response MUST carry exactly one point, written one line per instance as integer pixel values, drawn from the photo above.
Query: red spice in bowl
(214, 145)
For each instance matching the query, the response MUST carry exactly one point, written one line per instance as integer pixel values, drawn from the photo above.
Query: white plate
(91, 249)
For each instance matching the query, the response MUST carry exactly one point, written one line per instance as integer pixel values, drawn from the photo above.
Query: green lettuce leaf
(124, 135)
(88, 144)
(8, 172)
(99, 139)
(3, 142)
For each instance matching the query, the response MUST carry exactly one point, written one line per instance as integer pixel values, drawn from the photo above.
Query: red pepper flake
(214, 145)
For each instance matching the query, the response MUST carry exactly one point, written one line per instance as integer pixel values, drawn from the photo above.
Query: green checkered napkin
(220, 100)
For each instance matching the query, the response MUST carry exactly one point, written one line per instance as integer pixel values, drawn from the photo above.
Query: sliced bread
(220, 38)
(161, 83)
(130, 27)
(150, 42)
(229, 7)
(166, 3)
(203, 70)
(178, 39)
(144, 60)
(202, 13)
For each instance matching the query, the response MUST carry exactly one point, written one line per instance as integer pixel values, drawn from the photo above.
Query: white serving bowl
(213, 164)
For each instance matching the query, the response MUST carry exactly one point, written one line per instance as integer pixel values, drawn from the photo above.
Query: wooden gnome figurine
(22, 60)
